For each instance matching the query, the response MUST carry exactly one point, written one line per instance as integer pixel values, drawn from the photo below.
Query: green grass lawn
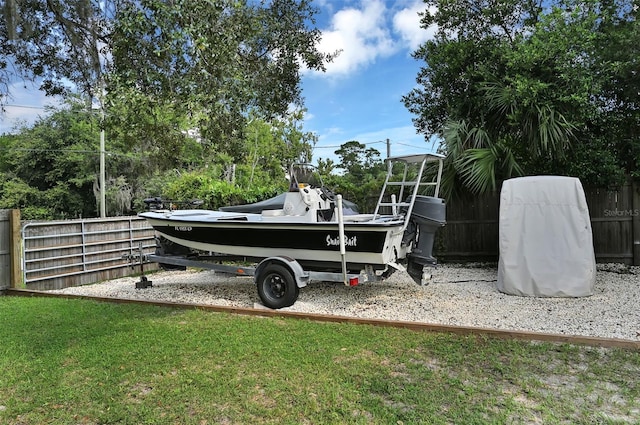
(66, 361)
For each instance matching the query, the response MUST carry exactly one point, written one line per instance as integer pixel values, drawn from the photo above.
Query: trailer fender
(301, 277)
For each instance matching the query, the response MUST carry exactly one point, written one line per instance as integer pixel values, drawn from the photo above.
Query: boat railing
(402, 204)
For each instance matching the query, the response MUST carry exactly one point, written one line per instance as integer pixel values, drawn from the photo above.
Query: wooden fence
(471, 233)
(54, 255)
(5, 250)
(59, 254)
(9, 248)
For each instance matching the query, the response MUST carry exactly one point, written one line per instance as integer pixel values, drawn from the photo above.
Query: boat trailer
(409, 234)
(278, 278)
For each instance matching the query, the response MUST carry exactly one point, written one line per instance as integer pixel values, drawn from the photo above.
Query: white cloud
(361, 36)
(24, 106)
(369, 31)
(407, 23)
(331, 134)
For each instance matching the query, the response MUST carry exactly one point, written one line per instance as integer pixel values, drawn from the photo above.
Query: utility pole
(388, 149)
(103, 183)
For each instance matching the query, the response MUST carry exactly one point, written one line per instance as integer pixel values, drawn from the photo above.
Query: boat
(310, 230)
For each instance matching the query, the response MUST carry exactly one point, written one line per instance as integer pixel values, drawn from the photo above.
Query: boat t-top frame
(407, 183)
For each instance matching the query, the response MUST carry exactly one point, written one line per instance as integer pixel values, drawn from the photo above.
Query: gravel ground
(457, 295)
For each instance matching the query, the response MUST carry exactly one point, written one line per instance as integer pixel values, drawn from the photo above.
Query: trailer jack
(143, 283)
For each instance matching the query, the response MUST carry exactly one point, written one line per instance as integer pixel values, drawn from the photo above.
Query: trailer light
(353, 281)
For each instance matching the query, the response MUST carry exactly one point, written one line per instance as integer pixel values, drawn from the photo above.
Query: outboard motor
(427, 217)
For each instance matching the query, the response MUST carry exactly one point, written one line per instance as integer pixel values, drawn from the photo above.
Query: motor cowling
(427, 216)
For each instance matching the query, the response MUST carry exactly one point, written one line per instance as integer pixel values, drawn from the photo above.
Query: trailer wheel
(276, 286)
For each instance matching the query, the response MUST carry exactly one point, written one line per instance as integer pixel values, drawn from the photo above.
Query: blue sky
(358, 98)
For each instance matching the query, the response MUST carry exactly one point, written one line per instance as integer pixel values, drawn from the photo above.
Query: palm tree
(511, 131)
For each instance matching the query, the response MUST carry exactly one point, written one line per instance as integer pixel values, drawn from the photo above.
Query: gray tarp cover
(545, 243)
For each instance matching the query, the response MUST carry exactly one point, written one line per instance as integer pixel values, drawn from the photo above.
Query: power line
(94, 152)
(25, 107)
(53, 107)
(339, 146)
(408, 145)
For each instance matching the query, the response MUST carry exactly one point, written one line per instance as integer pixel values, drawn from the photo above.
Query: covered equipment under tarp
(545, 243)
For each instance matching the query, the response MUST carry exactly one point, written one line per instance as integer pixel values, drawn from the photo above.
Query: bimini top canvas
(545, 242)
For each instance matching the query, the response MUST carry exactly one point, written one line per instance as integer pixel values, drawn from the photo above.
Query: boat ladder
(400, 190)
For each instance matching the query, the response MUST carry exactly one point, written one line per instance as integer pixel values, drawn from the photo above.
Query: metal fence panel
(59, 254)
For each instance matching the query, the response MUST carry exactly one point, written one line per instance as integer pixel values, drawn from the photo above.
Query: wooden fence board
(5, 249)
(635, 223)
(471, 233)
(16, 248)
(77, 252)
(611, 223)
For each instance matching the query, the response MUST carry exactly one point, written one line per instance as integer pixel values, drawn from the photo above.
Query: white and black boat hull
(315, 245)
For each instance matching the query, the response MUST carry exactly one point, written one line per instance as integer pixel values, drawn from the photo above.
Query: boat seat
(272, 213)
(358, 217)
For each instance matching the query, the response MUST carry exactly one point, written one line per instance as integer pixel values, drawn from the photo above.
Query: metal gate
(59, 254)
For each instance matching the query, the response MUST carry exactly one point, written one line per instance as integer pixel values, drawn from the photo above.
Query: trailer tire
(276, 286)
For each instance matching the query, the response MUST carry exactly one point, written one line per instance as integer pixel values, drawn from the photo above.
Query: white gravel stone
(457, 295)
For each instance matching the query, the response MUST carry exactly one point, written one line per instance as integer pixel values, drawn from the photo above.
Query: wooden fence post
(635, 223)
(16, 249)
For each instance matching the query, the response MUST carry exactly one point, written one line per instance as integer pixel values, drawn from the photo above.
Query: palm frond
(510, 166)
(477, 167)
(454, 134)
(480, 169)
(477, 138)
(498, 98)
(554, 131)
